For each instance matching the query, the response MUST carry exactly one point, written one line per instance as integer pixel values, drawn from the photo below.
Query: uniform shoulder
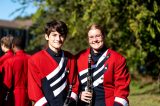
(68, 54)
(37, 54)
(115, 54)
(9, 60)
(82, 53)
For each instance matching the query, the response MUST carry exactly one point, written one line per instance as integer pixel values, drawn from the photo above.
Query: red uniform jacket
(15, 78)
(110, 78)
(42, 69)
(6, 56)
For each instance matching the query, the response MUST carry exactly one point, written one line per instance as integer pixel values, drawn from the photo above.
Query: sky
(7, 7)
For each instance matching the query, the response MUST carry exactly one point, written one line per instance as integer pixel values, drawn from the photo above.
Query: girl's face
(95, 39)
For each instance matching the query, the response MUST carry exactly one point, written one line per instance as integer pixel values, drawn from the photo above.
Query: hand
(86, 96)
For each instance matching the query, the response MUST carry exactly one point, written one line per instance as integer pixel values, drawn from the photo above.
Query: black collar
(96, 56)
(100, 52)
(53, 54)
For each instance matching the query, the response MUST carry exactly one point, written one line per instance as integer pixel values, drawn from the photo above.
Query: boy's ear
(46, 36)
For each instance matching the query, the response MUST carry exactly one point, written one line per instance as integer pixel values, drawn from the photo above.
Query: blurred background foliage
(132, 28)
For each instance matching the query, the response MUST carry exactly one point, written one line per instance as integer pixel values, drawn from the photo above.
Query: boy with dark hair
(51, 71)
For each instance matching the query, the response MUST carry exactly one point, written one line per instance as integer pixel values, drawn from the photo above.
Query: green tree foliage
(132, 27)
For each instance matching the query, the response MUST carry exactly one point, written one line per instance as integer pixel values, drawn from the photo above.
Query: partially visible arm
(7, 74)
(73, 78)
(122, 81)
(34, 85)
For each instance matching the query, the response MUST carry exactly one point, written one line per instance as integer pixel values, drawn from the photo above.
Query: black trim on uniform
(55, 56)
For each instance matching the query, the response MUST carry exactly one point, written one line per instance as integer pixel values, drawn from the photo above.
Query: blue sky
(7, 7)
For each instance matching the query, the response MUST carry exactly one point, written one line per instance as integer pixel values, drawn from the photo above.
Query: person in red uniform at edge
(110, 77)
(51, 70)
(6, 44)
(15, 75)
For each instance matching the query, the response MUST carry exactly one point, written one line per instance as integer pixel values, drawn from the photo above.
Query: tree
(132, 27)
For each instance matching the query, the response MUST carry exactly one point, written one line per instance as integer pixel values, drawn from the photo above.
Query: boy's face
(55, 40)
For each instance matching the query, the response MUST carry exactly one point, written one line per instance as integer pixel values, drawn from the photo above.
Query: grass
(145, 92)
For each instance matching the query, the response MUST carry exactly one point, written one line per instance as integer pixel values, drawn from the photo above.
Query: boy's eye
(54, 35)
